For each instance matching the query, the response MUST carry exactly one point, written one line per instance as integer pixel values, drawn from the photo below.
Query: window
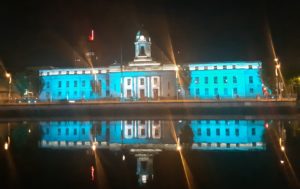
(58, 131)
(143, 132)
(253, 131)
(235, 91)
(128, 93)
(67, 131)
(67, 84)
(142, 81)
(224, 67)
(197, 91)
(206, 80)
(237, 122)
(48, 84)
(234, 80)
(67, 72)
(234, 67)
(83, 131)
(228, 145)
(83, 83)
(196, 68)
(128, 81)
(155, 81)
(75, 83)
(225, 91)
(199, 131)
(237, 132)
(250, 79)
(227, 132)
(215, 80)
(250, 66)
(205, 68)
(196, 80)
(59, 84)
(75, 72)
(218, 132)
(217, 122)
(216, 91)
(206, 92)
(59, 94)
(156, 132)
(215, 67)
(129, 132)
(225, 79)
(251, 90)
(208, 132)
(75, 131)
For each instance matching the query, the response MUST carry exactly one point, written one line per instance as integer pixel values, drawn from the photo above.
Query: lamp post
(8, 75)
(277, 66)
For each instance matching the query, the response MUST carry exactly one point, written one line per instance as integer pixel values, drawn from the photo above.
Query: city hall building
(144, 78)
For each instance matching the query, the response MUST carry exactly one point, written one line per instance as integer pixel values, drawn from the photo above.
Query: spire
(91, 36)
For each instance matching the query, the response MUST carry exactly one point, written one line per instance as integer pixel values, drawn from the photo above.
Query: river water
(134, 153)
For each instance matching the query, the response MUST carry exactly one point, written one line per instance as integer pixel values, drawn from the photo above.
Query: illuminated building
(144, 78)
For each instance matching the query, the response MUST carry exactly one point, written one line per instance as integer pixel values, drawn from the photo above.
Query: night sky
(50, 33)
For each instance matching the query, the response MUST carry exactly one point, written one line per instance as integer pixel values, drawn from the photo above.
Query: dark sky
(49, 33)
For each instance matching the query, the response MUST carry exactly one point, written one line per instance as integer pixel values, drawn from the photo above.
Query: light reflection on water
(139, 147)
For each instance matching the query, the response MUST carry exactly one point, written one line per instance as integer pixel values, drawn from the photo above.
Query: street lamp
(277, 66)
(8, 75)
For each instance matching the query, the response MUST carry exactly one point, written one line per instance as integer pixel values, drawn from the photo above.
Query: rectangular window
(155, 81)
(197, 91)
(128, 93)
(199, 131)
(225, 79)
(234, 67)
(237, 122)
(75, 131)
(205, 68)
(129, 132)
(216, 91)
(58, 131)
(83, 83)
(227, 132)
(215, 80)
(67, 84)
(253, 131)
(196, 80)
(196, 68)
(206, 92)
(143, 133)
(206, 80)
(250, 66)
(234, 80)
(142, 81)
(156, 132)
(83, 131)
(215, 67)
(224, 67)
(128, 81)
(251, 90)
(250, 79)
(235, 91)
(237, 132)
(218, 132)
(67, 131)
(59, 84)
(208, 132)
(225, 91)
(75, 83)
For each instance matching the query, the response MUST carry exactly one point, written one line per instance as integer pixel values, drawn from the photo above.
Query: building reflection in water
(145, 138)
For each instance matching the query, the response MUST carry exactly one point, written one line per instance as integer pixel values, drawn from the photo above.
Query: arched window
(142, 51)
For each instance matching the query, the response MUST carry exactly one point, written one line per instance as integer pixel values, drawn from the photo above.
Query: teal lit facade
(144, 78)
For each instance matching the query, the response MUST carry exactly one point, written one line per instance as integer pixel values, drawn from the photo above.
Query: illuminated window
(128, 81)
(197, 80)
(235, 91)
(208, 132)
(198, 91)
(129, 132)
(227, 132)
(250, 66)
(199, 131)
(215, 67)
(251, 90)
(67, 84)
(225, 79)
(67, 131)
(59, 84)
(205, 68)
(215, 80)
(218, 132)
(217, 122)
(83, 83)
(206, 80)
(142, 81)
(216, 91)
(155, 81)
(196, 68)
(75, 83)
(156, 132)
(224, 67)
(237, 132)
(253, 131)
(250, 79)
(225, 91)
(206, 92)
(233, 66)
(234, 80)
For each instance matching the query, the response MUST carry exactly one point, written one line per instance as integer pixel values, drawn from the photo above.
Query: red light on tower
(91, 36)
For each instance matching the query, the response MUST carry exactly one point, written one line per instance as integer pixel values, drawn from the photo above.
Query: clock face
(142, 38)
